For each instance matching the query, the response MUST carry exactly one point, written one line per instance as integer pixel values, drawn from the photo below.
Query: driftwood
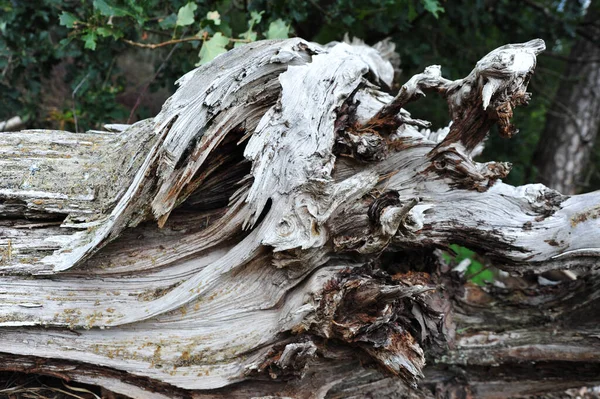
(275, 230)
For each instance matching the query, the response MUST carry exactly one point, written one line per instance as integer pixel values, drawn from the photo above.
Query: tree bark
(275, 231)
(573, 120)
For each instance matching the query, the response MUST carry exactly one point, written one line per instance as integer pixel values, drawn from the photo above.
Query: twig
(556, 102)
(558, 75)
(177, 41)
(484, 268)
(145, 88)
(5, 71)
(110, 68)
(157, 45)
(138, 101)
(79, 389)
(204, 37)
(75, 102)
(158, 32)
(321, 9)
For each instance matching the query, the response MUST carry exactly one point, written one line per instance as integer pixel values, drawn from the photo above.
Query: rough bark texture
(275, 230)
(573, 121)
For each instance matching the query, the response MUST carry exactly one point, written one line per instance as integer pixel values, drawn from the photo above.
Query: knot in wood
(389, 198)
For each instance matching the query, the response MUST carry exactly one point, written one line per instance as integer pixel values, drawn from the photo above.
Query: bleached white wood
(222, 241)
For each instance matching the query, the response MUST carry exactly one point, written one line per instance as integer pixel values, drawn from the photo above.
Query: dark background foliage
(76, 65)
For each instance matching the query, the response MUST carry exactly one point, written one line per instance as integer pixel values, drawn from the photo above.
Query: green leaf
(249, 35)
(348, 20)
(255, 18)
(433, 6)
(90, 40)
(106, 31)
(461, 252)
(278, 30)
(214, 16)
(212, 48)
(67, 19)
(185, 16)
(478, 274)
(412, 13)
(447, 257)
(109, 10)
(168, 22)
(65, 42)
(137, 8)
(482, 277)
(474, 268)
(225, 29)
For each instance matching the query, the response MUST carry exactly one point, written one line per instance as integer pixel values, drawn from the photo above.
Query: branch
(204, 37)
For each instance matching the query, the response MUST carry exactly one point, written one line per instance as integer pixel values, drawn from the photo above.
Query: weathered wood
(280, 218)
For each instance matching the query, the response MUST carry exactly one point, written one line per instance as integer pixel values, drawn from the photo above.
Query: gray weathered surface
(260, 229)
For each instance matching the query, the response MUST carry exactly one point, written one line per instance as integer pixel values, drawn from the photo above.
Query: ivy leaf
(168, 22)
(108, 10)
(67, 19)
(214, 16)
(250, 35)
(278, 30)
(482, 277)
(212, 48)
(255, 18)
(90, 40)
(185, 15)
(478, 274)
(433, 6)
(106, 31)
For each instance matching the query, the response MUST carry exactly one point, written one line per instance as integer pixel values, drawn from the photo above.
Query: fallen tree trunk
(274, 231)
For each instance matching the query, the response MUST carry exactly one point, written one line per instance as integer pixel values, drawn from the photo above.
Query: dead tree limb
(273, 232)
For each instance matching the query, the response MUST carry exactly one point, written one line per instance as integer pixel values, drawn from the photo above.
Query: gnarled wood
(279, 218)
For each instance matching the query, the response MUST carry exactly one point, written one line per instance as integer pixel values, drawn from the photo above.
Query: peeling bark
(273, 231)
